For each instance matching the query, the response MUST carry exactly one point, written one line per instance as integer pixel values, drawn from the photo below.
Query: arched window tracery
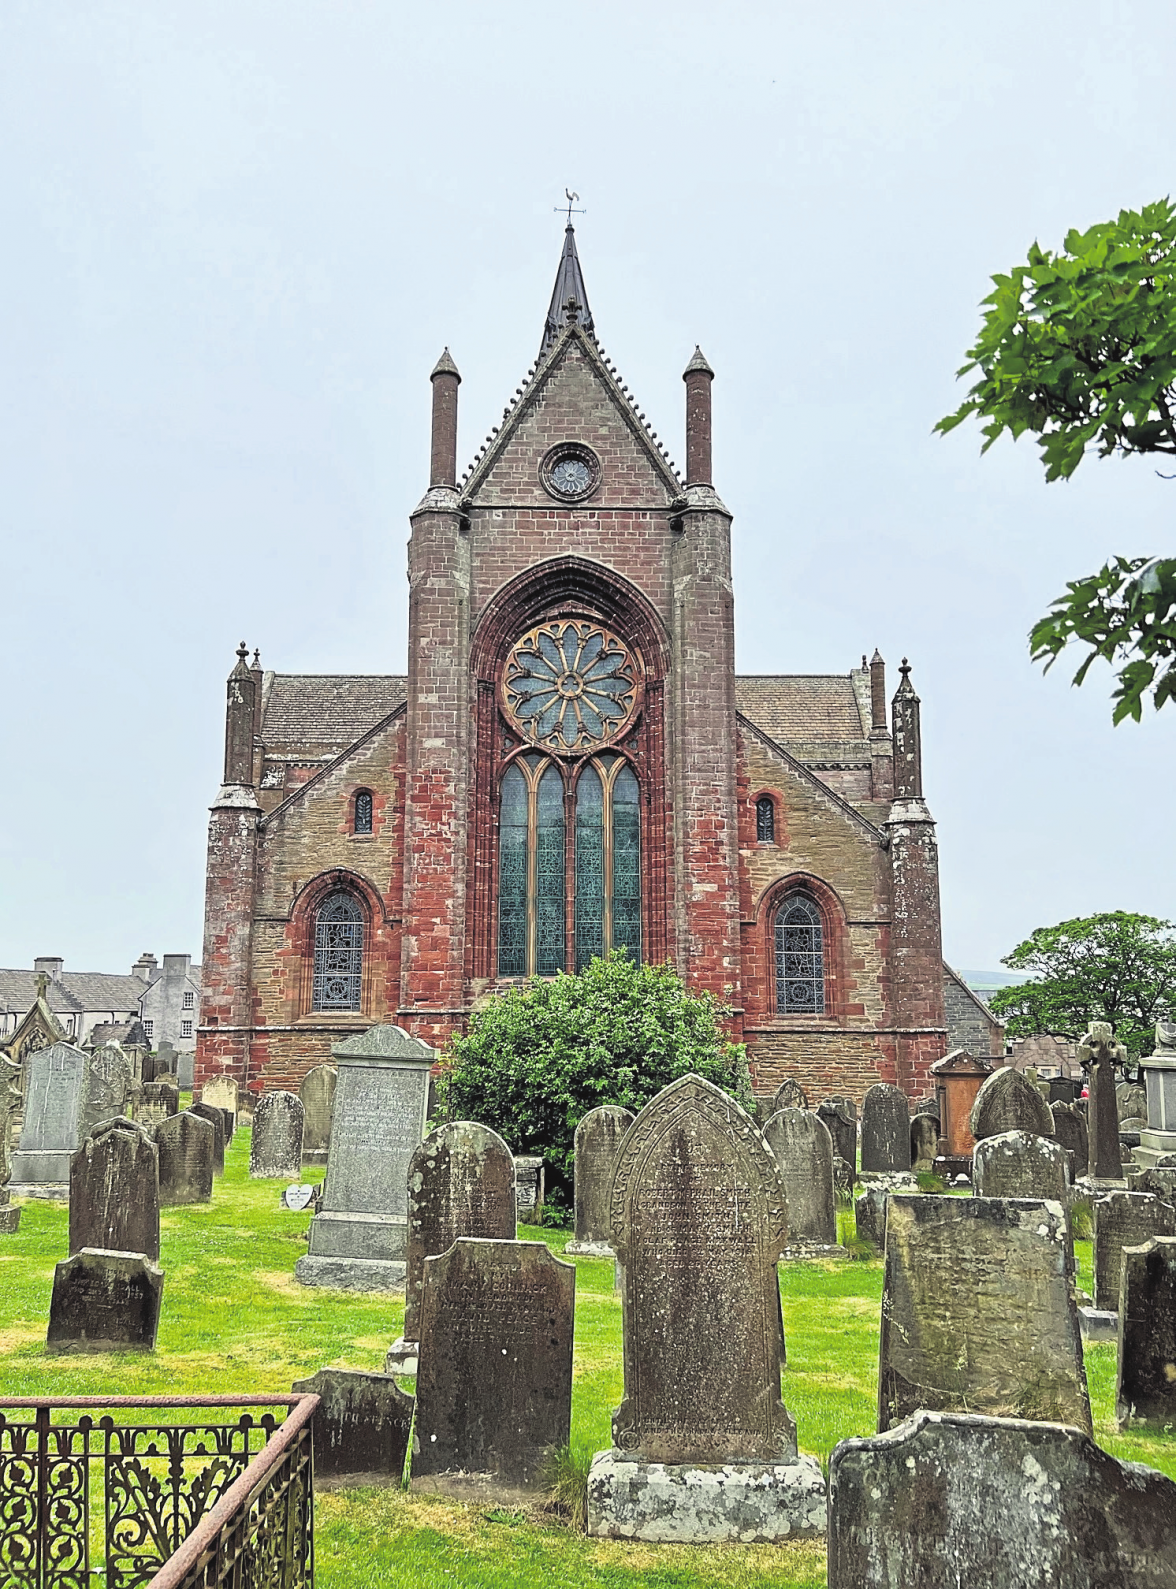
(800, 957)
(765, 820)
(363, 811)
(338, 953)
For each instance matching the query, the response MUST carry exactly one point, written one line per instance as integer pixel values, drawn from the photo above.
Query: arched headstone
(114, 1191)
(803, 1150)
(886, 1131)
(790, 1095)
(598, 1136)
(275, 1153)
(1007, 1102)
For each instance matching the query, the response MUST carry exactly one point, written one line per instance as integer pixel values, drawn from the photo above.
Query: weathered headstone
(1146, 1387)
(1100, 1052)
(183, 1068)
(995, 1503)
(699, 1220)
(978, 1311)
(108, 1085)
(840, 1119)
(924, 1142)
(216, 1119)
(529, 1187)
(361, 1426)
(1124, 1219)
(359, 1238)
(1070, 1131)
(1007, 1102)
(494, 1386)
(275, 1152)
(843, 1180)
(9, 1104)
(55, 1095)
(869, 1214)
(1130, 1101)
(1020, 1164)
(317, 1092)
(789, 1095)
(886, 1130)
(598, 1136)
(157, 1101)
(105, 1302)
(230, 1125)
(803, 1150)
(187, 1151)
(460, 1183)
(224, 1092)
(114, 1191)
(1062, 1090)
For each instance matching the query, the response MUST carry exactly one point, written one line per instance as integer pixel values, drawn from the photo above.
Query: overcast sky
(237, 235)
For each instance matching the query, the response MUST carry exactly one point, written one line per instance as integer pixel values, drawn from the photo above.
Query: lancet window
(765, 820)
(800, 957)
(363, 811)
(338, 953)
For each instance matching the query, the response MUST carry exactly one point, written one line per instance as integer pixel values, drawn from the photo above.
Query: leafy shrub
(538, 1057)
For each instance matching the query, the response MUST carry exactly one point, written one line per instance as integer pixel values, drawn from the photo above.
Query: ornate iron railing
(186, 1502)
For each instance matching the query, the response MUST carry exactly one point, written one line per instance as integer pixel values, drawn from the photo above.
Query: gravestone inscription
(1146, 1388)
(361, 1425)
(187, 1148)
(598, 1136)
(886, 1130)
(216, 1119)
(114, 1191)
(275, 1151)
(55, 1094)
(1124, 1219)
(1020, 1164)
(105, 1302)
(157, 1101)
(108, 1086)
(803, 1150)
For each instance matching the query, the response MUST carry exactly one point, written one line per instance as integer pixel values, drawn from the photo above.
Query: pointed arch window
(800, 957)
(363, 811)
(531, 870)
(765, 820)
(338, 953)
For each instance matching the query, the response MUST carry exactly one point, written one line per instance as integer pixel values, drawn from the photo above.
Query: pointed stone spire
(908, 748)
(569, 298)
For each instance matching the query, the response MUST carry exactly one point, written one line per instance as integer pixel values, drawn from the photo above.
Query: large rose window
(570, 686)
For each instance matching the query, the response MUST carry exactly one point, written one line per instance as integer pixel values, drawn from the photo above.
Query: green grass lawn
(234, 1321)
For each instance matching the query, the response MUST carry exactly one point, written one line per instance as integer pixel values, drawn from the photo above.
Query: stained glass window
(800, 958)
(570, 685)
(550, 898)
(512, 874)
(626, 862)
(765, 820)
(363, 811)
(589, 866)
(338, 954)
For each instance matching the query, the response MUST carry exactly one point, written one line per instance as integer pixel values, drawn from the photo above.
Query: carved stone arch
(303, 922)
(835, 934)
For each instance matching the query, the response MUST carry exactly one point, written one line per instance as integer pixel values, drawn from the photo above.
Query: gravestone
(1100, 1053)
(1146, 1387)
(1070, 1131)
(186, 1144)
(230, 1125)
(869, 1214)
(789, 1095)
(843, 1180)
(886, 1130)
(1124, 1219)
(598, 1136)
(978, 1311)
(1007, 1102)
(275, 1152)
(995, 1503)
(1161, 1180)
(1020, 1164)
(529, 1187)
(158, 1101)
(55, 1095)
(317, 1093)
(699, 1220)
(839, 1116)
(1062, 1089)
(108, 1086)
(359, 1238)
(803, 1150)
(114, 1191)
(361, 1426)
(494, 1386)
(216, 1119)
(1130, 1101)
(924, 1142)
(9, 1104)
(224, 1093)
(297, 1198)
(105, 1302)
(460, 1183)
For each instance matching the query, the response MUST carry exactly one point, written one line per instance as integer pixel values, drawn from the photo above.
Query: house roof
(332, 710)
(75, 992)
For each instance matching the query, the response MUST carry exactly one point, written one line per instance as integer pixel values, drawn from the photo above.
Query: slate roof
(326, 709)
(802, 708)
(76, 992)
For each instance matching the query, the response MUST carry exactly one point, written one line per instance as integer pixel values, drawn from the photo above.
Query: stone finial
(698, 363)
(698, 376)
(445, 366)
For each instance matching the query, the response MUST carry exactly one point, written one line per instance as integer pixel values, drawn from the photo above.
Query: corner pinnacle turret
(569, 298)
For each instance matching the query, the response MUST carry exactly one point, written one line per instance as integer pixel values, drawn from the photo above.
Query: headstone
(108, 1084)
(158, 1101)
(114, 1191)
(55, 1094)
(529, 1187)
(105, 1302)
(1007, 1102)
(461, 1182)
(224, 1092)
(182, 1067)
(317, 1092)
(840, 1120)
(9, 1104)
(978, 1311)
(1062, 1090)
(958, 1077)
(995, 1503)
(216, 1119)
(494, 1386)
(703, 1446)
(1124, 1219)
(1070, 1131)
(275, 1152)
(359, 1238)
(869, 1214)
(789, 1095)
(1100, 1053)
(843, 1180)
(361, 1426)
(1146, 1387)
(598, 1136)
(230, 1125)
(1130, 1101)
(187, 1151)
(1020, 1164)
(1161, 1180)
(886, 1130)
(1158, 1141)
(803, 1150)
(924, 1142)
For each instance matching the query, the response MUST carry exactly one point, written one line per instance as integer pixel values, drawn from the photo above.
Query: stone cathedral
(572, 765)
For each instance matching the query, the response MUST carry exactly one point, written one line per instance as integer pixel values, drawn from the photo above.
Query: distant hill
(989, 981)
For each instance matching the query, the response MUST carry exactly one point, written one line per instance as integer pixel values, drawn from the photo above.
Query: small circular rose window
(570, 685)
(570, 471)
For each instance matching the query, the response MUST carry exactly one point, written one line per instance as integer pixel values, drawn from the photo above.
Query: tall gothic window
(765, 820)
(800, 958)
(363, 811)
(338, 953)
(606, 865)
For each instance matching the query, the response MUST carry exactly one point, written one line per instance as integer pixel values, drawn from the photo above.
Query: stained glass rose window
(570, 685)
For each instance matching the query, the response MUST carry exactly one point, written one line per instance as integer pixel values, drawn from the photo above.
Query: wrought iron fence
(110, 1493)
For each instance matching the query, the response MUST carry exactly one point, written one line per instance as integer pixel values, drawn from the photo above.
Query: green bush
(538, 1057)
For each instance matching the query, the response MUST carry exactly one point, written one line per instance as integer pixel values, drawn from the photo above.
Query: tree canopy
(538, 1057)
(1115, 967)
(1079, 348)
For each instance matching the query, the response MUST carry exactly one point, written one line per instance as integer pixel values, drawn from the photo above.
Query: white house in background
(171, 1004)
(166, 1001)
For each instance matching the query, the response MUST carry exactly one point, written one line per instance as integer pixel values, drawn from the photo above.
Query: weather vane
(571, 198)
